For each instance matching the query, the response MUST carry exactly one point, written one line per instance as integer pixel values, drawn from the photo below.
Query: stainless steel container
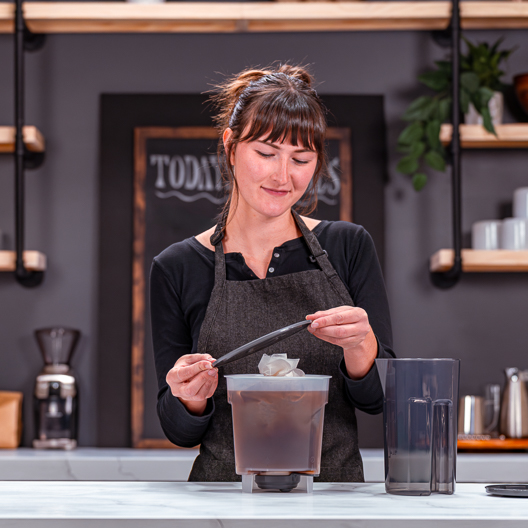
(514, 408)
(471, 415)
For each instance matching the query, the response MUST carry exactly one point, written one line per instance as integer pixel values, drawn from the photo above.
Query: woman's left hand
(349, 328)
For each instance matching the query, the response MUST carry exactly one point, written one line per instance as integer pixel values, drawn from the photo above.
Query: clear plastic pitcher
(277, 422)
(420, 415)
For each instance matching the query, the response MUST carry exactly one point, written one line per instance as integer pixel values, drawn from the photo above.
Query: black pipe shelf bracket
(449, 278)
(24, 159)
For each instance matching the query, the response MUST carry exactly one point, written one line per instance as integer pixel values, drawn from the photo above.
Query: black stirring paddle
(260, 343)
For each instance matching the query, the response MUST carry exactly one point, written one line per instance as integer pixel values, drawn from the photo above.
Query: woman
(263, 267)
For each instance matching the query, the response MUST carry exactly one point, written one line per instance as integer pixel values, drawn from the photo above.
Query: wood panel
(155, 443)
(494, 444)
(33, 260)
(500, 260)
(7, 15)
(512, 135)
(494, 15)
(108, 17)
(91, 17)
(33, 139)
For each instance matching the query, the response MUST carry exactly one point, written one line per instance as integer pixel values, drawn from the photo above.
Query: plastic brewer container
(277, 422)
(420, 414)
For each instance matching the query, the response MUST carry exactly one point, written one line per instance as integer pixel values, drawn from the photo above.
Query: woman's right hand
(192, 380)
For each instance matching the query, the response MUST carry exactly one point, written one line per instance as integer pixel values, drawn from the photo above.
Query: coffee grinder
(55, 398)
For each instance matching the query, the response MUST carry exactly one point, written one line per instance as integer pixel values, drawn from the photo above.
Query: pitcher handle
(443, 466)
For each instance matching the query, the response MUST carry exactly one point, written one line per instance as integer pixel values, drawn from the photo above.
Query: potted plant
(479, 81)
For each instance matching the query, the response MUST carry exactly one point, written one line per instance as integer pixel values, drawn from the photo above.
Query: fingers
(193, 377)
(200, 387)
(341, 331)
(186, 373)
(341, 315)
(345, 326)
(189, 359)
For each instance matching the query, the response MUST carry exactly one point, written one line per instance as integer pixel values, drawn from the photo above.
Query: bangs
(284, 117)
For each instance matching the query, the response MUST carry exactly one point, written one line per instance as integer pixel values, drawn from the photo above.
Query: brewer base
(285, 483)
(55, 443)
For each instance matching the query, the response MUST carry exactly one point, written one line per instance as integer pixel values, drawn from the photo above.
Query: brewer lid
(261, 376)
(259, 382)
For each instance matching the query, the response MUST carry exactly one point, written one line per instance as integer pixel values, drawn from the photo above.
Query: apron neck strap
(319, 255)
(216, 241)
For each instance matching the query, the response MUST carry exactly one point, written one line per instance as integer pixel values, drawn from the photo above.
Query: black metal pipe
(22, 274)
(19, 140)
(455, 143)
(450, 277)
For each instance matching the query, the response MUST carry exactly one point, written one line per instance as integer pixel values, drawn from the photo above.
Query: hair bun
(297, 72)
(229, 92)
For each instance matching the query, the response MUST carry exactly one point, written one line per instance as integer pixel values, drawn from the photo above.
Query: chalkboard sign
(178, 193)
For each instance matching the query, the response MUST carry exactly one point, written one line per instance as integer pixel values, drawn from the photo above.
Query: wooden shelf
(225, 17)
(514, 135)
(32, 138)
(33, 260)
(499, 260)
(494, 444)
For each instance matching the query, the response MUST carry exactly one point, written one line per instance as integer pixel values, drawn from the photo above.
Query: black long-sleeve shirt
(181, 282)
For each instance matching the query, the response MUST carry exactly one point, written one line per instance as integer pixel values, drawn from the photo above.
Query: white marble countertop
(175, 465)
(190, 505)
(90, 463)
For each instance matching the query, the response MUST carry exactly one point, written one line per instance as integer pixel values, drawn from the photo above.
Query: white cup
(520, 202)
(514, 234)
(486, 234)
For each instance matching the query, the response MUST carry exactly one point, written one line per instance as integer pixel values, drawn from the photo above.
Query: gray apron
(240, 311)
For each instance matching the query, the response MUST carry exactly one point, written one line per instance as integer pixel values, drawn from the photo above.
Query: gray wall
(482, 320)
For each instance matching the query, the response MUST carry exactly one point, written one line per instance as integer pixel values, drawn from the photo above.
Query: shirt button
(276, 255)
(271, 270)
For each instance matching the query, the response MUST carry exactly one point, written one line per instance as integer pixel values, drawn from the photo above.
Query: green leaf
(435, 109)
(437, 80)
(412, 133)
(417, 149)
(419, 109)
(495, 46)
(471, 47)
(435, 160)
(487, 122)
(432, 131)
(485, 94)
(470, 81)
(407, 165)
(444, 66)
(444, 109)
(465, 65)
(419, 180)
(464, 101)
(475, 101)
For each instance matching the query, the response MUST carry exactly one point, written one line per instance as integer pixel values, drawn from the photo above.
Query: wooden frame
(138, 285)
(345, 156)
(141, 135)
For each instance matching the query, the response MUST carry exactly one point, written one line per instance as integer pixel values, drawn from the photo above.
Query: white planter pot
(496, 106)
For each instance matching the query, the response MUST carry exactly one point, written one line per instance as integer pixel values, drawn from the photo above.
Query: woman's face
(271, 177)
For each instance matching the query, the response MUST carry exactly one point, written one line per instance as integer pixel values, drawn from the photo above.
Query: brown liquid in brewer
(278, 430)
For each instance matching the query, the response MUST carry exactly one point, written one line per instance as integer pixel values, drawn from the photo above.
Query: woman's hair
(276, 104)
